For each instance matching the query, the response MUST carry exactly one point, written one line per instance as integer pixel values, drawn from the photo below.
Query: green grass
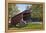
(34, 26)
(29, 26)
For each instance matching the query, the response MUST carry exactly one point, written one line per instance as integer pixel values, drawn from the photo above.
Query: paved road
(36, 22)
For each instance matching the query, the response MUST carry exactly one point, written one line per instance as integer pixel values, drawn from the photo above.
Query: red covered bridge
(23, 16)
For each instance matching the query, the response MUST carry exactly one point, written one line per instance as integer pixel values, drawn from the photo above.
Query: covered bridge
(23, 16)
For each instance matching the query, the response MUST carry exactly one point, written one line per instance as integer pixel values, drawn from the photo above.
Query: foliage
(37, 11)
(12, 10)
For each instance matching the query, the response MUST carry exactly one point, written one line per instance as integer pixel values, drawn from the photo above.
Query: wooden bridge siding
(17, 19)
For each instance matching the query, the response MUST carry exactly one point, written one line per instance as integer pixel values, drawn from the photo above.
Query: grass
(34, 26)
(28, 26)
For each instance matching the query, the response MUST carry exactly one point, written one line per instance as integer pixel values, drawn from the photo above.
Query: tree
(37, 11)
(29, 8)
(12, 10)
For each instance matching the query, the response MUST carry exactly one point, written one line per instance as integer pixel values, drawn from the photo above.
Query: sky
(22, 7)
